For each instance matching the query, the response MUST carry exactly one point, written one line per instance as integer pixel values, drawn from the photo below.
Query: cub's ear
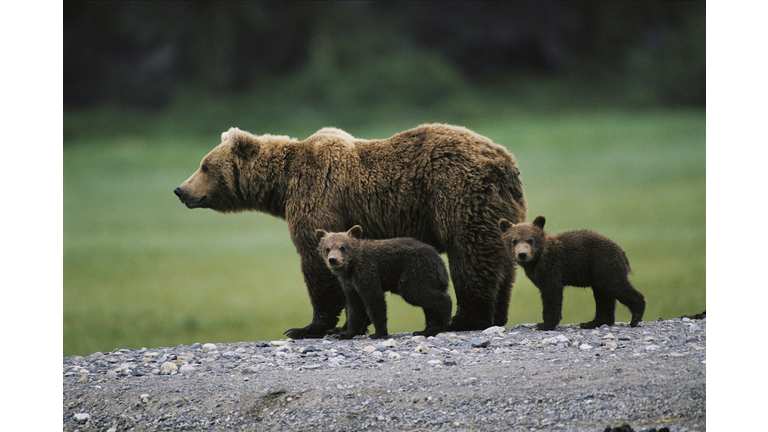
(539, 221)
(504, 225)
(241, 142)
(356, 232)
(319, 234)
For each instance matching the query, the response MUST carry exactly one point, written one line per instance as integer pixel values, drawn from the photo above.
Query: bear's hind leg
(605, 309)
(634, 300)
(437, 314)
(503, 296)
(428, 292)
(475, 284)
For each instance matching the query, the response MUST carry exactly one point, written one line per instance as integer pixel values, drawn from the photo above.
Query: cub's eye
(327, 250)
(204, 169)
(342, 248)
(514, 242)
(529, 241)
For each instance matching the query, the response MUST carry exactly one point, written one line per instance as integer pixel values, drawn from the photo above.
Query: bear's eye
(342, 248)
(514, 242)
(327, 250)
(529, 241)
(204, 169)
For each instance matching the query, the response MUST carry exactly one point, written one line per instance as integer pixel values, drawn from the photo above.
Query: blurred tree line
(147, 53)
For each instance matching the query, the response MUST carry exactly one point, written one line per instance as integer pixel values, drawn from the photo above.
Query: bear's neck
(261, 183)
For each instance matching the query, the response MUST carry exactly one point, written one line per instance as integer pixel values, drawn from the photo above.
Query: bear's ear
(356, 232)
(504, 225)
(319, 234)
(240, 142)
(539, 221)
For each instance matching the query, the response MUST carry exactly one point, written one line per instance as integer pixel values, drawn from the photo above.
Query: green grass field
(141, 270)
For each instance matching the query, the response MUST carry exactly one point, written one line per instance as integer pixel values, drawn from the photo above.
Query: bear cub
(367, 268)
(575, 258)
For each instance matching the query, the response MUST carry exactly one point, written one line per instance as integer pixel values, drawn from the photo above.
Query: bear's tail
(626, 260)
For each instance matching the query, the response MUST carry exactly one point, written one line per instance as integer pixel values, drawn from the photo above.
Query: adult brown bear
(443, 185)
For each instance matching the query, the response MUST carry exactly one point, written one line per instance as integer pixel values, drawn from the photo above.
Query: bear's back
(584, 254)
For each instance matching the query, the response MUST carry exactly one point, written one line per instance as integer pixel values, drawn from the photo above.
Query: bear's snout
(332, 261)
(522, 255)
(187, 199)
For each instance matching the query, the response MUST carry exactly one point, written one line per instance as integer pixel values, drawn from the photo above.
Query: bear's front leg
(326, 296)
(552, 306)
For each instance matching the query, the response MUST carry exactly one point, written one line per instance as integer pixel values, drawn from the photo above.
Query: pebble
(209, 347)
(168, 367)
(82, 417)
(480, 342)
(187, 369)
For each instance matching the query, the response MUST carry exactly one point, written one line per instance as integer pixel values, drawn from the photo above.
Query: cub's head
(217, 182)
(524, 240)
(338, 248)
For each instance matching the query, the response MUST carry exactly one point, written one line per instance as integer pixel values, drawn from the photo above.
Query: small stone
(421, 348)
(611, 346)
(585, 346)
(480, 342)
(652, 347)
(394, 356)
(82, 417)
(433, 352)
(369, 349)
(494, 330)
(312, 366)
(187, 369)
(609, 336)
(144, 397)
(168, 367)
(249, 371)
(435, 362)
(389, 343)
(231, 355)
(196, 345)
(210, 347)
(693, 328)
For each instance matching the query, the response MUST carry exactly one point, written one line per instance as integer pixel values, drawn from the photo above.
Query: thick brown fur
(368, 268)
(575, 258)
(443, 185)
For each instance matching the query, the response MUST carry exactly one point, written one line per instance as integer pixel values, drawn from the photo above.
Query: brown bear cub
(367, 268)
(575, 258)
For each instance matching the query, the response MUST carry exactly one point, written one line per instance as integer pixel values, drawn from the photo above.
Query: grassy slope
(142, 270)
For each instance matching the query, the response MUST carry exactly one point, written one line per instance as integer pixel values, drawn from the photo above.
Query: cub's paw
(545, 327)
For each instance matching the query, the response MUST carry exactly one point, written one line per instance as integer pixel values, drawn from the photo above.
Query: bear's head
(216, 183)
(338, 249)
(524, 240)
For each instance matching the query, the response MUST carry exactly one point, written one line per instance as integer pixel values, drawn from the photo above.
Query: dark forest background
(334, 54)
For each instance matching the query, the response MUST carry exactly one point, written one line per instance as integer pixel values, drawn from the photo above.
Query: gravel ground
(649, 377)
